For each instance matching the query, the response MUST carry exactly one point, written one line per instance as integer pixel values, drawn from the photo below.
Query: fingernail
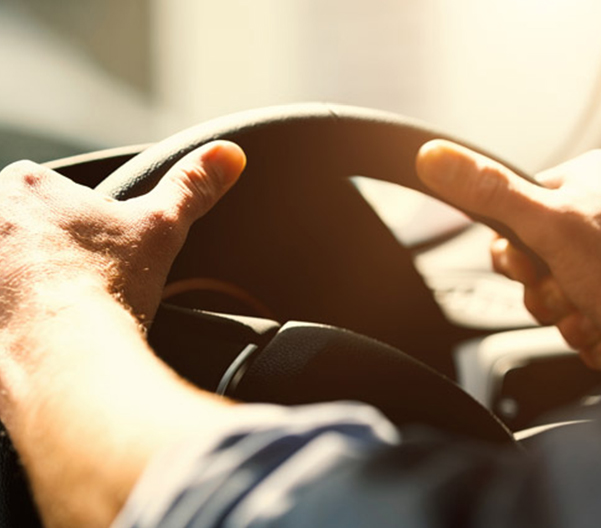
(500, 244)
(437, 163)
(228, 157)
(498, 249)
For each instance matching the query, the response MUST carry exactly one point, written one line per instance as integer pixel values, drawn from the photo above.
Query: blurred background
(519, 77)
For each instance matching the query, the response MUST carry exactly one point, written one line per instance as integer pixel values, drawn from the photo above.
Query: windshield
(518, 78)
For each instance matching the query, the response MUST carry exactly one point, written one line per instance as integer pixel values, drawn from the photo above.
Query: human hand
(53, 231)
(561, 222)
(85, 402)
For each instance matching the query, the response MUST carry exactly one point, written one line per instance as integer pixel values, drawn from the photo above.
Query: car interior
(328, 272)
(294, 289)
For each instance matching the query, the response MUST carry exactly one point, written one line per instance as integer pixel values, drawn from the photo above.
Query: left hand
(53, 231)
(86, 403)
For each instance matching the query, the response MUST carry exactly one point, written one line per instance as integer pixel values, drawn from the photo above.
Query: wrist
(38, 293)
(82, 387)
(55, 326)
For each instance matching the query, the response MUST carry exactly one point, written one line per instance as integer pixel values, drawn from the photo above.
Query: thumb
(196, 182)
(476, 184)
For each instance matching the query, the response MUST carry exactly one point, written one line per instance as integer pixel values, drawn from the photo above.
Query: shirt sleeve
(345, 465)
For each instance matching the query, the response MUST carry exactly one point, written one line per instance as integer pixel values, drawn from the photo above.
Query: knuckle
(546, 301)
(537, 307)
(199, 187)
(20, 168)
(565, 223)
(501, 194)
(578, 331)
(24, 172)
(161, 220)
(543, 224)
(162, 228)
(487, 189)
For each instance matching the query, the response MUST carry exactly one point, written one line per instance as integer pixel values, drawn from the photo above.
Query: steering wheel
(294, 241)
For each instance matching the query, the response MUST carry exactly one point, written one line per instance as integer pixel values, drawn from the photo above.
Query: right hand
(548, 302)
(561, 222)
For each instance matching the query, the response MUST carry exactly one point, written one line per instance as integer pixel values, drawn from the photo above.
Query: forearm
(87, 404)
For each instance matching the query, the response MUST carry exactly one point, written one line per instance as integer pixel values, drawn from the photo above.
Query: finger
(577, 169)
(579, 331)
(581, 334)
(477, 184)
(513, 263)
(547, 302)
(551, 178)
(61, 195)
(35, 178)
(591, 357)
(197, 181)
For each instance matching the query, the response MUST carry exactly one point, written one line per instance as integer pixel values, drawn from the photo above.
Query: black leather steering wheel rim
(356, 140)
(312, 142)
(353, 140)
(317, 141)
